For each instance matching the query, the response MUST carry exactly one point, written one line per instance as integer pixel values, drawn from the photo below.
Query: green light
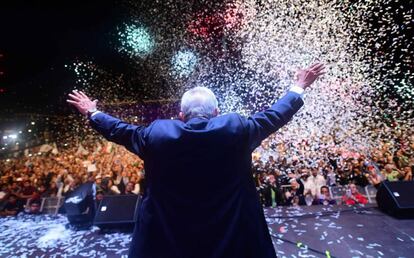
(136, 41)
(184, 63)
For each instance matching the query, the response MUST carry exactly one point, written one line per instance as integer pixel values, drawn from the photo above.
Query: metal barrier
(51, 205)
(337, 192)
(371, 193)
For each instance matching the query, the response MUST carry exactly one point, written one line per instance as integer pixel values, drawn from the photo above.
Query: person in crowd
(406, 174)
(373, 177)
(4, 192)
(296, 200)
(130, 188)
(324, 198)
(296, 192)
(43, 191)
(71, 185)
(99, 197)
(26, 192)
(309, 197)
(271, 164)
(121, 181)
(108, 188)
(12, 206)
(331, 176)
(358, 177)
(314, 182)
(53, 190)
(353, 197)
(14, 187)
(391, 173)
(271, 192)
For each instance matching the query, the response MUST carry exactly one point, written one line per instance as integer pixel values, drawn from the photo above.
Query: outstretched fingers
(320, 74)
(77, 94)
(74, 97)
(319, 71)
(318, 68)
(314, 65)
(75, 103)
(83, 94)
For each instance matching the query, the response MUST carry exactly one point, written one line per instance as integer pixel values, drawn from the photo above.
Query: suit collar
(197, 122)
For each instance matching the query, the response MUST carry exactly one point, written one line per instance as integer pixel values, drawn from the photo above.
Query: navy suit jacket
(201, 199)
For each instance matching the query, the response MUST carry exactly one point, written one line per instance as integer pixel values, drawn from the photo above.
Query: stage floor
(296, 232)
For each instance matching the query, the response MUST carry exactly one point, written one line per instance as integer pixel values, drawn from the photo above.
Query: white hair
(198, 101)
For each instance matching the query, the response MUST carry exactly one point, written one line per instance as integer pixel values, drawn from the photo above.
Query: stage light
(5, 137)
(30, 130)
(183, 63)
(33, 123)
(13, 136)
(136, 41)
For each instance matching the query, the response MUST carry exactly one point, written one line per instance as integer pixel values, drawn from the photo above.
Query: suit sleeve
(262, 124)
(115, 130)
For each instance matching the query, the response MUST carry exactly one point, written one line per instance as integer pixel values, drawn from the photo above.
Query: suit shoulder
(233, 119)
(232, 115)
(165, 123)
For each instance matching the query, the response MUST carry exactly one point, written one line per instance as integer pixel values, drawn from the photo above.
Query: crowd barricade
(51, 205)
(360, 189)
(371, 193)
(27, 203)
(337, 192)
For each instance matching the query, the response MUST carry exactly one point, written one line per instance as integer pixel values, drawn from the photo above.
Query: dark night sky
(38, 39)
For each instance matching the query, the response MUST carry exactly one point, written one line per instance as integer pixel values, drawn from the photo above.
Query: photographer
(296, 193)
(271, 192)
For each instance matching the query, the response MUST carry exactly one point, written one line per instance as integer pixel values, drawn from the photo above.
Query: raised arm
(262, 124)
(113, 129)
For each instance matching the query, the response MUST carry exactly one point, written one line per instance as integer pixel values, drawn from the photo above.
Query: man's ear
(181, 116)
(216, 112)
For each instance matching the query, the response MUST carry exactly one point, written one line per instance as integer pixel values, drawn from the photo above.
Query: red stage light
(212, 26)
(206, 26)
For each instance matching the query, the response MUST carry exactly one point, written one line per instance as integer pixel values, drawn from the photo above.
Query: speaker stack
(114, 212)
(397, 199)
(80, 206)
(117, 212)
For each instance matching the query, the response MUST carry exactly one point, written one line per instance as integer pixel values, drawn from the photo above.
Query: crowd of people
(300, 175)
(285, 173)
(56, 173)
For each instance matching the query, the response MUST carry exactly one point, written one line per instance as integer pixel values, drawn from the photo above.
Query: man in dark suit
(201, 199)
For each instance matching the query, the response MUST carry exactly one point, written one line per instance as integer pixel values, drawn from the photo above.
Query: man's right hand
(304, 78)
(82, 102)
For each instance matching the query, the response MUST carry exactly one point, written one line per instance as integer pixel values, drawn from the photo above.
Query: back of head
(199, 102)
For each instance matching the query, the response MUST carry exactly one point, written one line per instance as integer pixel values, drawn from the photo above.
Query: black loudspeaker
(397, 199)
(117, 212)
(80, 206)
